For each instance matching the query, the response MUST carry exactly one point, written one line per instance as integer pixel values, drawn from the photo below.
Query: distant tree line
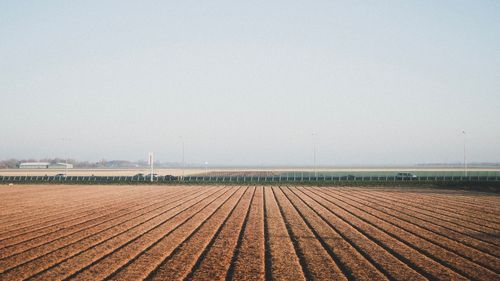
(460, 164)
(14, 163)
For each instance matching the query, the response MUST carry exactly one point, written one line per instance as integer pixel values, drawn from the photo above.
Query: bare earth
(246, 233)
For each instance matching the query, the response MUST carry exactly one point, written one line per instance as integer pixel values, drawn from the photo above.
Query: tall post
(65, 145)
(315, 152)
(151, 163)
(183, 164)
(465, 160)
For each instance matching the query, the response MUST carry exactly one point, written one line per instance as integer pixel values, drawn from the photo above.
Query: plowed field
(247, 233)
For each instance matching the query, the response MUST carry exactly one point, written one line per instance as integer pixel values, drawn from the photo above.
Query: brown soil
(246, 233)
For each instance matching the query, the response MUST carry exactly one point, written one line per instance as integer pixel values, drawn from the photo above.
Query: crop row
(248, 232)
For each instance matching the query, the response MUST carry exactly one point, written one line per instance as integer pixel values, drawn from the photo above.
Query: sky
(251, 82)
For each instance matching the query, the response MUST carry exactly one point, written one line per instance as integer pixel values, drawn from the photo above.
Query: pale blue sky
(247, 82)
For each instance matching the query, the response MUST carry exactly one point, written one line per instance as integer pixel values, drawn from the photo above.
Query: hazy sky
(247, 82)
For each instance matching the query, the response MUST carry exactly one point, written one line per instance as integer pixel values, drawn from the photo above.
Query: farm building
(44, 165)
(34, 165)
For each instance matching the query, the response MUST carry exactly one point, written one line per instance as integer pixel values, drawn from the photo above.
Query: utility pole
(465, 161)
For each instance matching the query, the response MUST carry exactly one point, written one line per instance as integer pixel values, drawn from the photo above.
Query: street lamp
(315, 152)
(183, 164)
(65, 141)
(206, 168)
(465, 162)
(151, 163)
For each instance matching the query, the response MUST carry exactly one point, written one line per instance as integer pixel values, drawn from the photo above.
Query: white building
(44, 165)
(34, 165)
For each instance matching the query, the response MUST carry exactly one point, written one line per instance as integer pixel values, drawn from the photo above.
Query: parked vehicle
(406, 176)
(170, 177)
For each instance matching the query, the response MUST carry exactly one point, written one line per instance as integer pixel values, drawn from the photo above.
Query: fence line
(295, 178)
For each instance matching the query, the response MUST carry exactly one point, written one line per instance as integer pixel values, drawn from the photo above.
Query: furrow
(214, 262)
(96, 218)
(52, 258)
(109, 226)
(183, 258)
(446, 215)
(447, 258)
(319, 265)
(155, 243)
(442, 229)
(482, 259)
(62, 211)
(46, 226)
(485, 235)
(380, 256)
(352, 263)
(413, 258)
(249, 264)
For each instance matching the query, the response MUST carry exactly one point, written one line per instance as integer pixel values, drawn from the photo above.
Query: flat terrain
(246, 233)
(243, 171)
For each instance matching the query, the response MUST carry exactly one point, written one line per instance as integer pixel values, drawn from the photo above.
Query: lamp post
(465, 161)
(65, 142)
(183, 164)
(314, 155)
(151, 167)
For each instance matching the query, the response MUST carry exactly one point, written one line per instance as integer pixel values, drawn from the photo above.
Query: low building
(34, 165)
(44, 165)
